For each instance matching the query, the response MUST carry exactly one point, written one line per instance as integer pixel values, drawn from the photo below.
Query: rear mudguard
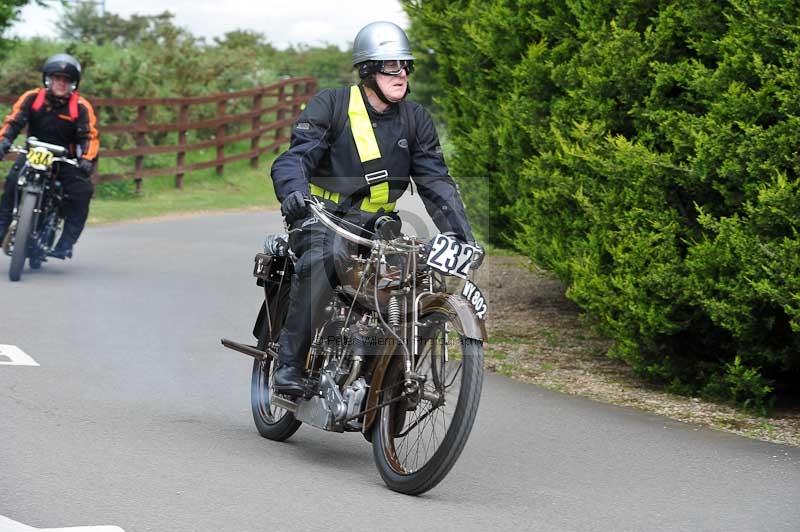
(274, 275)
(258, 328)
(462, 316)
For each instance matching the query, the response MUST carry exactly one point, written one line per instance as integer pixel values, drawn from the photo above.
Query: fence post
(221, 131)
(141, 122)
(295, 95)
(254, 125)
(280, 116)
(182, 119)
(311, 87)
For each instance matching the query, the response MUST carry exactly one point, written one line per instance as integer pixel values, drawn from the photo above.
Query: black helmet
(63, 64)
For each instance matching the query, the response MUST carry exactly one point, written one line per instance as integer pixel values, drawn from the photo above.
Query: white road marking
(11, 355)
(8, 525)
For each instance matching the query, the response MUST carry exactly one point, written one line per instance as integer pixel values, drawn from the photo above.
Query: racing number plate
(450, 256)
(40, 158)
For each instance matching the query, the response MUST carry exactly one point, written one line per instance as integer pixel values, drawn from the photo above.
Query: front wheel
(417, 440)
(22, 235)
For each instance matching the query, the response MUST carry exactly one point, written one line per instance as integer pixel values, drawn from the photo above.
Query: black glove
(5, 145)
(86, 166)
(294, 206)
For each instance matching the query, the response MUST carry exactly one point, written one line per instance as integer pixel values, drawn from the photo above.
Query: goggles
(48, 80)
(393, 67)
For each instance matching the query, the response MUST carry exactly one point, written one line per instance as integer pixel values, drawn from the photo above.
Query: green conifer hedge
(646, 152)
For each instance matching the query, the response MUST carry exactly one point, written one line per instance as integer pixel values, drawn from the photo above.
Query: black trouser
(321, 255)
(77, 189)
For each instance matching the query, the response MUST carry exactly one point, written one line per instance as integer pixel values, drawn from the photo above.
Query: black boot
(63, 249)
(3, 231)
(288, 380)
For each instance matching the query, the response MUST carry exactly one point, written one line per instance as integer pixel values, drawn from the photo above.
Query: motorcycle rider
(56, 114)
(356, 149)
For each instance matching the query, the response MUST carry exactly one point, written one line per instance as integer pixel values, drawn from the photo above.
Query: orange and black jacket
(68, 122)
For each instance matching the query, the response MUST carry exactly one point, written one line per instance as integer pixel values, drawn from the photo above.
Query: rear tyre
(22, 235)
(273, 423)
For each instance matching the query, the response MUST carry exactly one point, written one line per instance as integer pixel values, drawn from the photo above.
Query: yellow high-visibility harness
(370, 156)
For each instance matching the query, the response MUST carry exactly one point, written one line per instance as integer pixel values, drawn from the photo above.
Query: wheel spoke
(408, 429)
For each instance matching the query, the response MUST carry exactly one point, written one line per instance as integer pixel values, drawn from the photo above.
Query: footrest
(248, 349)
(282, 402)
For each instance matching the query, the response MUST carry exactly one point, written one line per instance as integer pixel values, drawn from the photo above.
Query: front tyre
(416, 443)
(22, 235)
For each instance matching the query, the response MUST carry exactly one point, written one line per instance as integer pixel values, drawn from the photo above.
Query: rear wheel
(417, 440)
(22, 235)
(272, 422)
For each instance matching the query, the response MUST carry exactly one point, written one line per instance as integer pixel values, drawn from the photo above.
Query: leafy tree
(244, 39)
(9, 13)
(83, 22)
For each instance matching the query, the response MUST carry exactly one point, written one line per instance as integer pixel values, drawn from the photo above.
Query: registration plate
(473, 294)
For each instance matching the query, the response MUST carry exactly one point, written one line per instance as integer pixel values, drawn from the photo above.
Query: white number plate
(450, 256)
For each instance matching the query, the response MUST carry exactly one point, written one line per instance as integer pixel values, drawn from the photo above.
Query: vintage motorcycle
(398, 358)
(38, 218)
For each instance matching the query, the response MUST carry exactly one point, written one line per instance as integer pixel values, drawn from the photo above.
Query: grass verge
(240, 187)
(538, 336)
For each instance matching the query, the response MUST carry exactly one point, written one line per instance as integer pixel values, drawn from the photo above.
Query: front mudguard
(460, 311)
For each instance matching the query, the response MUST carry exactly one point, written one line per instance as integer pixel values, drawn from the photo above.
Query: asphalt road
(137, 417)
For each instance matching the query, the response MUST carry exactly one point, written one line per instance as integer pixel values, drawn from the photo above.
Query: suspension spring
(394, 312)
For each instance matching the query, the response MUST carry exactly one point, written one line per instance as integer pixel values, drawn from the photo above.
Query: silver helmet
(379, 41)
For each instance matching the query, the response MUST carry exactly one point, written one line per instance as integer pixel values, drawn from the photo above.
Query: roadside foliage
(149, 56)
(647, 153)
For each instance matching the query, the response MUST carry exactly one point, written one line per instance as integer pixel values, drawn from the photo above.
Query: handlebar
(55, 149)
(319, 211)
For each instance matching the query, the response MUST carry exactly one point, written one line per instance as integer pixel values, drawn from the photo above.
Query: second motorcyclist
(56, 114)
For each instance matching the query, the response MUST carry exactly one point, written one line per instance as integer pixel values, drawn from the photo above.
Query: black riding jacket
(328, 158)
(53, 123)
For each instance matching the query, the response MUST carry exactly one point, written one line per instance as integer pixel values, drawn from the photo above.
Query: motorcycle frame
(41, 183)
(43, 186)
(454, 306)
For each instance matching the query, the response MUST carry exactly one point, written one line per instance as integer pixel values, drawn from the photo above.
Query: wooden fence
(130, 128)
